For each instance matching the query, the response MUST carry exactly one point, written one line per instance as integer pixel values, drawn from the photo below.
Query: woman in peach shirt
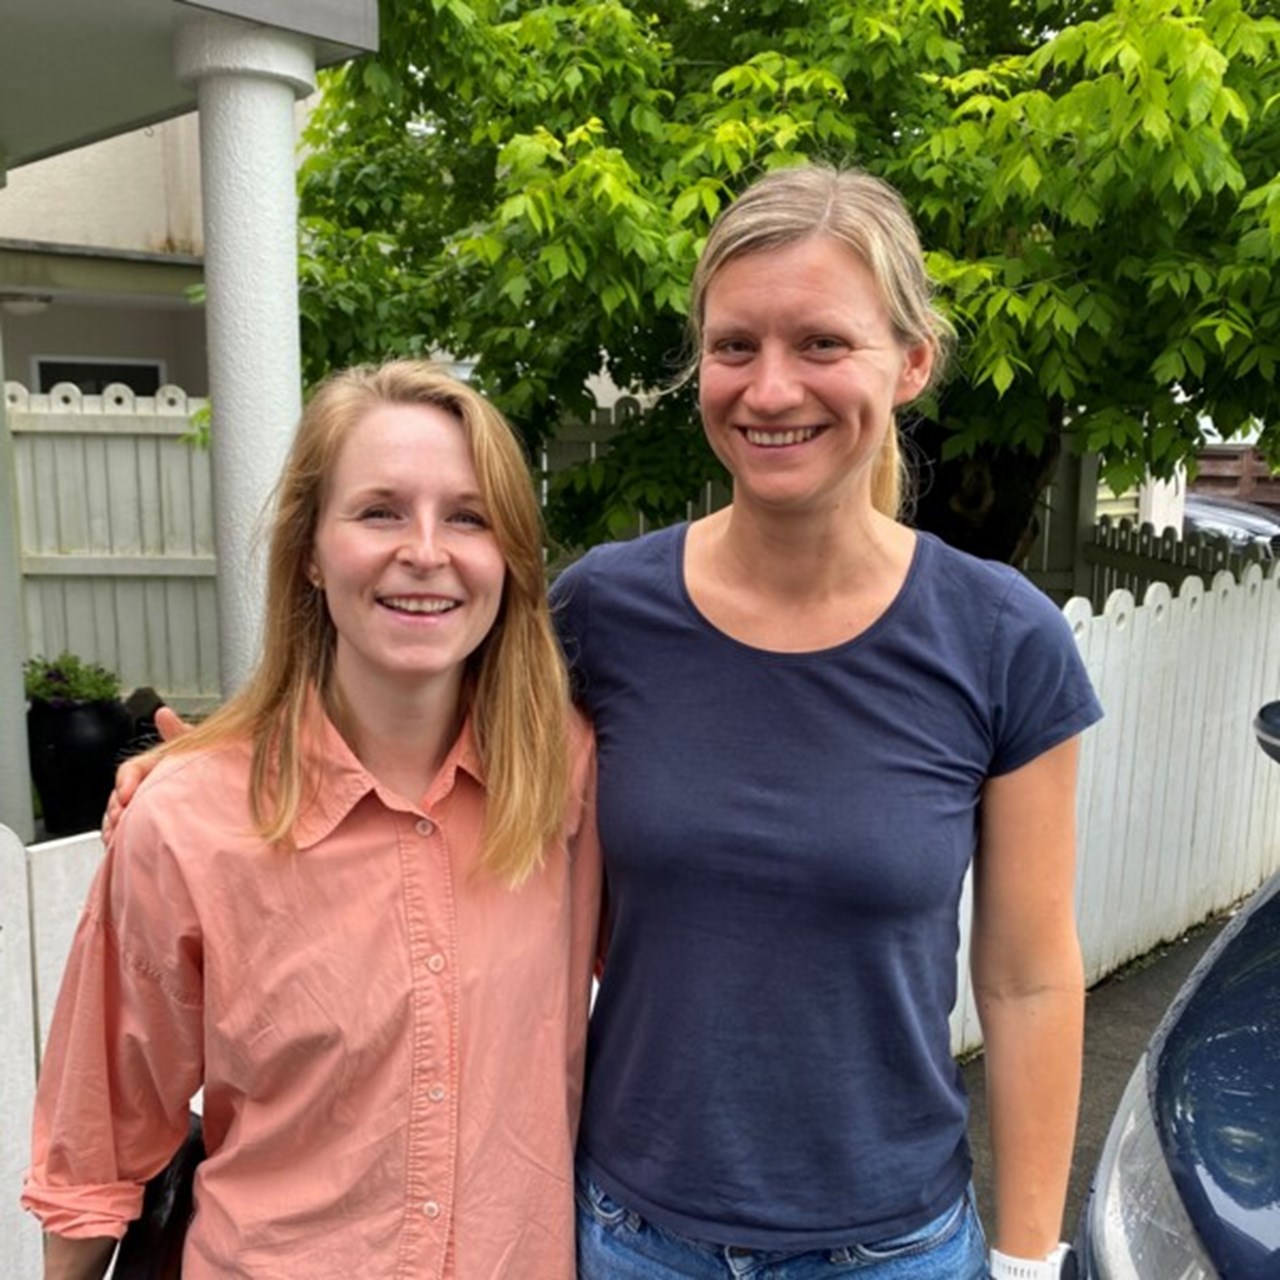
(358, 905)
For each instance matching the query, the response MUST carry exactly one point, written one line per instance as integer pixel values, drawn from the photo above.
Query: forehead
(404, 442)
(818, 274)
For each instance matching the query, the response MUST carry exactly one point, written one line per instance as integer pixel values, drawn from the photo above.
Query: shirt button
(425, 826)
(431, 1209)
(436, 963)
(436, 1093)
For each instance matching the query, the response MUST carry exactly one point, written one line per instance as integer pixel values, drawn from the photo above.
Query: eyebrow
(389, 491)
(830, 319)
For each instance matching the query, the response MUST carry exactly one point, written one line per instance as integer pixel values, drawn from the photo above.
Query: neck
(803, 554)
(401, 735)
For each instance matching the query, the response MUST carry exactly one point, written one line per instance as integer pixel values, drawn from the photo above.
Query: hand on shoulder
(130, 775)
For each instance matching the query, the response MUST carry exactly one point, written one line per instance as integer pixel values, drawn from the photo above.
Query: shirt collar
(335, 781)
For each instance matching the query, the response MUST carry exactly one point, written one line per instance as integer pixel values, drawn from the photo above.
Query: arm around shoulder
(132, 773)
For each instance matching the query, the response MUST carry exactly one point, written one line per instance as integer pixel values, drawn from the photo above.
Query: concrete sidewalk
(1120, 1014)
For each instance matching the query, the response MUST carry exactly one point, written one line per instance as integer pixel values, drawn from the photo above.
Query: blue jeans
(615, 1243)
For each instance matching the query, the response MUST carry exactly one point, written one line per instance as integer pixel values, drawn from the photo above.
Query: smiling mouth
(779, 439)
(416, 604)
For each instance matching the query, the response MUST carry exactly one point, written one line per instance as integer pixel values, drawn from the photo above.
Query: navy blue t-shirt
(785, 838)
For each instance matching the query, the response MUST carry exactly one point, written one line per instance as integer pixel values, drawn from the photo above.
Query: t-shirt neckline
(866, 635)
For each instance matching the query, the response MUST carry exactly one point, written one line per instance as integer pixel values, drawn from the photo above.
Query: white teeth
(776, 439)
(415, 604)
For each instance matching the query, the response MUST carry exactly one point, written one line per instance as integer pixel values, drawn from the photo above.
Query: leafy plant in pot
(77, 728)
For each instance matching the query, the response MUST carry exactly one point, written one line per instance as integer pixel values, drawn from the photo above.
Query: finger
(111, 817)
(129, 777)
(170, 725)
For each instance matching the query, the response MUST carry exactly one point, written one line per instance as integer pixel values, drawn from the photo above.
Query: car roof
(1215, 503)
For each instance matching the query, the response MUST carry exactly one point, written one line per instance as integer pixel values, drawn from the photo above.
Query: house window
(93, 376)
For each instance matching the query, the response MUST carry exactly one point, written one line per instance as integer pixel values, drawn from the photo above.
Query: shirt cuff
(84, 1213)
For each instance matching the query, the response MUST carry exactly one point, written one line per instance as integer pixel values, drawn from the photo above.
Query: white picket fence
(1178, 810)
(115, 520)
(1179, 816)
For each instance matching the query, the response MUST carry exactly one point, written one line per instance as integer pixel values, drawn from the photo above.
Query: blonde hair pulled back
(868, 216)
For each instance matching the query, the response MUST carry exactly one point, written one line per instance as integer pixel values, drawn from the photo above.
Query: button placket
(432, 1122)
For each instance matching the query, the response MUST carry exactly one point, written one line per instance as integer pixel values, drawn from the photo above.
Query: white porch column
(15, 771)
(247, 78)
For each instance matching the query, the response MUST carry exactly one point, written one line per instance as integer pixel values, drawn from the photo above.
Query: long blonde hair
(868, 216)
(516, 686)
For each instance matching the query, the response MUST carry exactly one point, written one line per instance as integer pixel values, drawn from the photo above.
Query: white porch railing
(1178, 812)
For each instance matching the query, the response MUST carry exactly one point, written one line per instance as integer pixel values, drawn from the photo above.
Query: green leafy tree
(527, 186)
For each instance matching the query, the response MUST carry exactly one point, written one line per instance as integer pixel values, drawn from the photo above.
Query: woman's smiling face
(405, 554)
(800, 372)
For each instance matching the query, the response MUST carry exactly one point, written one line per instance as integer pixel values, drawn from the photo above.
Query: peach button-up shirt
(390, 1040)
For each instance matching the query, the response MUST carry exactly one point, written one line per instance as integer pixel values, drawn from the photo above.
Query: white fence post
(19, 1231)
(60, 873)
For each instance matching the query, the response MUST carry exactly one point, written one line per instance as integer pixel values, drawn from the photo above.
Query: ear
(313, 575)
(916, 369)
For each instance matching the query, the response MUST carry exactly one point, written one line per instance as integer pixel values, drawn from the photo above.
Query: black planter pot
(75, 747)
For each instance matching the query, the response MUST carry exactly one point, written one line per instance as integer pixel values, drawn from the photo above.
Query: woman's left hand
(129, 776)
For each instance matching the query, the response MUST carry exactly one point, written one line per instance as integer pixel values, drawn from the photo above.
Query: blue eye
(825, 344)
(732, 349)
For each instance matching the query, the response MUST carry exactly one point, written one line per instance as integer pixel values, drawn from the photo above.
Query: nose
(774, 386)
(423, 548)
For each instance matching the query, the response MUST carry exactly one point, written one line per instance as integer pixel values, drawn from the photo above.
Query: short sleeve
(1041, 694)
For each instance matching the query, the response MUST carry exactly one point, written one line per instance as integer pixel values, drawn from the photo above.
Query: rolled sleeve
(124, 1053)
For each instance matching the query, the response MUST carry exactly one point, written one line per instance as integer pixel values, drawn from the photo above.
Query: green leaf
(516, 288)
(556, 258)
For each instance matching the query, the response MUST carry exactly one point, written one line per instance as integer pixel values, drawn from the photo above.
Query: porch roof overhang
(77, 71)
(110, 277)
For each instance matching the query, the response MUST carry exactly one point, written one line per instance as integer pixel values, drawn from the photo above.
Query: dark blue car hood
(1215, 1087)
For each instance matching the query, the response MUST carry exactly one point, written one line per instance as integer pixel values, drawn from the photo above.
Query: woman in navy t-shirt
(811, 720)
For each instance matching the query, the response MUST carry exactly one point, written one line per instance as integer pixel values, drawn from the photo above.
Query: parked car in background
(1188, 1185)
(1242, 523)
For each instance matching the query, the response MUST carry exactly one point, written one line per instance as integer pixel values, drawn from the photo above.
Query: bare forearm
(66, 1259)
(1033, 1061)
